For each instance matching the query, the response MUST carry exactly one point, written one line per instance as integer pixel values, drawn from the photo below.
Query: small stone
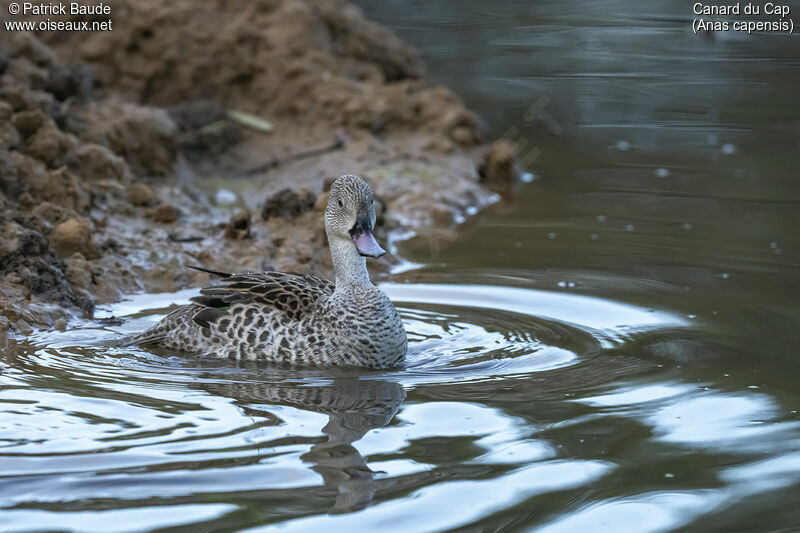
(74, 235)
(288, 203)
(60, 324)
(79, 271)
(26, 201)
(238, 226)
(463, 135)
(141, 194)
(225, 197)
(50, 144)
(499, 168)
(165, 213)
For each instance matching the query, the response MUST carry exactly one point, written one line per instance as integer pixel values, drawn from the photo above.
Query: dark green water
(615, 349)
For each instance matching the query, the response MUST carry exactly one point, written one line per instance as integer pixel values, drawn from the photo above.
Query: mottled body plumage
(298, 318)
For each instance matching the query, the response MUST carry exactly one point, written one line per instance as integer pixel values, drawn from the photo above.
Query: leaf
(213, 127)
(249, 121)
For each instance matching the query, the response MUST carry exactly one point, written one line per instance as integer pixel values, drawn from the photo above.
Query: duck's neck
(350, 267)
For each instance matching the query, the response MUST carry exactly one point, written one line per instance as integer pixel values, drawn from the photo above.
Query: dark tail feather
(214, 272)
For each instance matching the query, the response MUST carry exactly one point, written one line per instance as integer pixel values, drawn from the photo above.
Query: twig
(337, 144)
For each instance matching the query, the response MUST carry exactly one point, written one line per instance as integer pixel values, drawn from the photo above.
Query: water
(614, 349)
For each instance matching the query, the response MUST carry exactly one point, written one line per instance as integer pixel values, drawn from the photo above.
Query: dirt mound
(314, 61)
(113, 146)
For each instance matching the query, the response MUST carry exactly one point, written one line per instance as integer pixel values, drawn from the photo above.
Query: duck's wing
(288, 292)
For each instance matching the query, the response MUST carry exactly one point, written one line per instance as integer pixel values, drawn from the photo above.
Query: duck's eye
(341, 203)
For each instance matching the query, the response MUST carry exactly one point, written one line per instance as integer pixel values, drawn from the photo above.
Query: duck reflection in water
(354, 407)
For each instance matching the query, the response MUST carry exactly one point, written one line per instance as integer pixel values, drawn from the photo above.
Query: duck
(294, 318)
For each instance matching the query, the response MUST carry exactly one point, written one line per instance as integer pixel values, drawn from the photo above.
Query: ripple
(87, 424)
(456, 333)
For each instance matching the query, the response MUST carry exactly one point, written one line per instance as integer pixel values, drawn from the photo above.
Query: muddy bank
(193, 134)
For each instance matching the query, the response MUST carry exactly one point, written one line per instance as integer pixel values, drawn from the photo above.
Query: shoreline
(116, 172)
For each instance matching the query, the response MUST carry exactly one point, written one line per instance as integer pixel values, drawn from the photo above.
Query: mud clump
(95, 162)
(26, 261)
(288, 203)
(28, 122)
(238, 227)
(74, 236)
(141, 194)
(499, 167)
(146, 137)
(165, 213)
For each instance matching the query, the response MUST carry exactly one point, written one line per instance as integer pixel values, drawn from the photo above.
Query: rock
(166, 213)
(28, 262)
(6, 110)
(26, 201)
(16, 97)
(65, 81)
(49, 144)
(499, 168)
(24, 71)
(238, 226)
(13, 169)
(9, 136)
(31, 47)
(462, 126)
(288, 203)
(225, 197)
(74, 236)
(95, 162)
(141, 194)
(79, 271)
(19, 241)
(463, 135)
(61, 187)
(52, 214)
(27, 122)
(144, 136)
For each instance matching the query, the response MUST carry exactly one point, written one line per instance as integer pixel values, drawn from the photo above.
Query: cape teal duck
(298, 318)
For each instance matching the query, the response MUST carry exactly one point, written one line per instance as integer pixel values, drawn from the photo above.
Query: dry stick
(337, 144)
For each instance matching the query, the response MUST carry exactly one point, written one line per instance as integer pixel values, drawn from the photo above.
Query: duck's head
(350, 215)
